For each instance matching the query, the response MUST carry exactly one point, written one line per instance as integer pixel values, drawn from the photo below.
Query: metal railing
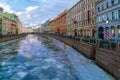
(110, 44)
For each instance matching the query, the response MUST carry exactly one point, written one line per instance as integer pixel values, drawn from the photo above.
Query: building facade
(27, 30)
(1, 17)
(42, 28)
(108, 19)
(81, 19)
(13, 27)
(9, 23)
(6, 26)
(46, 26)
(19, 27)
(60, 23)
(51, 26)
(13, 19)
(36, 30)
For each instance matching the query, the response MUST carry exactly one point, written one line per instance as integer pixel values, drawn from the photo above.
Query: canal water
(44, 58)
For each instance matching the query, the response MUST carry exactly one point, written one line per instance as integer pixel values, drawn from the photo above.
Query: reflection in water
(65, 46)
(0, 66)
(7, 54)
(28, 56)
(43, 58)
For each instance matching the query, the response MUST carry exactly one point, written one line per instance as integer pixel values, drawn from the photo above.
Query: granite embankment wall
(87, 49)
(107, 59)
(11, 37)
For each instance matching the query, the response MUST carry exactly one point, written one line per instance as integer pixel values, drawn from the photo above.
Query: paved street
(43, 58)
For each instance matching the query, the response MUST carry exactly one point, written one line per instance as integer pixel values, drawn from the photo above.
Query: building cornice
(61, 15)
(99, 1)
(74, 5)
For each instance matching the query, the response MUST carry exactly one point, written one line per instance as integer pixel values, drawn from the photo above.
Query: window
(119, 31)
(93, 22)
(107, 16)
(113, 31)
(100, 19)
(92, 4)
(113, 16)
(0, 22)
(98, 9)
(103, 17)
(92, 12)
(118, 1)
(103, 7)
(112, 2)
(119, 13)
(107, 5)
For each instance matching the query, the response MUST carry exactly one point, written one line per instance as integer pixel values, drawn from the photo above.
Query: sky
(32, 13)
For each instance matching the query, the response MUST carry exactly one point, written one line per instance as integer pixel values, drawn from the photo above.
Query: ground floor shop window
(119, 31)
(113, 31)
(101, 33)
(81, 32)
(119, 13)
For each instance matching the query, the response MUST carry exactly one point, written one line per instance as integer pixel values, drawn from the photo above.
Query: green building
(12, 17)
(1, 16)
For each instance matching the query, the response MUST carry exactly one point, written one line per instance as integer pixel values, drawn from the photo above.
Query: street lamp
(107, 22)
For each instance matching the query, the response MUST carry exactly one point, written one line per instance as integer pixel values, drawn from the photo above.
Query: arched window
(118, 31)
(113, 31)
(101, 33)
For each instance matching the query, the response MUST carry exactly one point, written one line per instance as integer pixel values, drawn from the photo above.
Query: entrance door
(101, 32)
(93, 33)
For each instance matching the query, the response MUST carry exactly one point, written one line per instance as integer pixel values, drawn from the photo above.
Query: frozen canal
(44, 58)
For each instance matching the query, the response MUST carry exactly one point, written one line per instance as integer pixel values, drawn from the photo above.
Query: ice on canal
(44, 58)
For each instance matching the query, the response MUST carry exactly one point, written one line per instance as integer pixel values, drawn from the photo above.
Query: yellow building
(19, 27)
(13, 27)
(24, 30)
(27, 30)
(36, 30)
(51, 26)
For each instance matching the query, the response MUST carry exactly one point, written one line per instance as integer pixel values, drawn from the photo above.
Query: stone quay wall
(11, 37)
(86, 49)
(109, 60)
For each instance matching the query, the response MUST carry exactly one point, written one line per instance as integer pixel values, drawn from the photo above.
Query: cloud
(36, 12)
(43, 0)
(27, 14)
(25, 22)
(31, 8)
(6, 7)
(35, 15)
(32, 24)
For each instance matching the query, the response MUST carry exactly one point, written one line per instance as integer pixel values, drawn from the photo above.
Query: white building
(108, 19)
(81, 18)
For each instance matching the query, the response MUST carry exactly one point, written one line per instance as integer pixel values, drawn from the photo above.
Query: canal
(44, 58)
